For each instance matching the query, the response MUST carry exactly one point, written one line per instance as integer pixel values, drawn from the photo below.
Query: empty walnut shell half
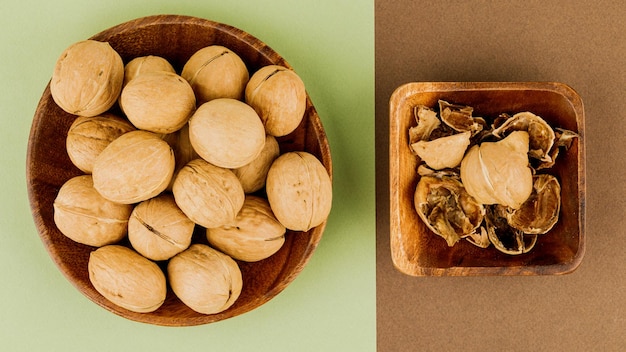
(541, 210)
(459, 117)
(541, 135)
(427, 122)
(446, 208)
(503, 236)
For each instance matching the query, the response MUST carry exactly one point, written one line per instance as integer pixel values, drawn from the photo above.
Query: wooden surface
(175, 38)
(418, 251)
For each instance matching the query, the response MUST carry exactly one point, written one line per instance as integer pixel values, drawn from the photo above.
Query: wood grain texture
(175, 38)
(417, 251)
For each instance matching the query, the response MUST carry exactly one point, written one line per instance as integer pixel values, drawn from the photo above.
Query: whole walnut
(226, 132)
(299, 190)
(216, 72)
(136, 166)
(127, 279)
(278, 95)
(183, 150)
(87, 78)
(209, 195)
(83, 215)
(205, 279)
(143, 64)
(158, 229)
(88, 136)
(254, 235)
(252, 175)
(159, 102)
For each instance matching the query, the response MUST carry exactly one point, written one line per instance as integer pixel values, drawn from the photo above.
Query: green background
(331, 304)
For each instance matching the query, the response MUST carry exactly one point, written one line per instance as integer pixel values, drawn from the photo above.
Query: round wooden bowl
(175, 38)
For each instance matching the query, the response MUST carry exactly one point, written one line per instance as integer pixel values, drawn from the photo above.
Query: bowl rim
(400, 258)
(319, 138)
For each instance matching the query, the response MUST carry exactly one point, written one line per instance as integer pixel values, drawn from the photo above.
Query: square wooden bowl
(417, 251)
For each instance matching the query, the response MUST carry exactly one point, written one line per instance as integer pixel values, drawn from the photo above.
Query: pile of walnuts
(191, 150)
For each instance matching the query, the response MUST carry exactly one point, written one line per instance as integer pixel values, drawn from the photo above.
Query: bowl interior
(175, 38)
(417, 251)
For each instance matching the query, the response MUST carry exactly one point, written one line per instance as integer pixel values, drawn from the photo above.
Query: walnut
(255, 234)
(252, 175)
(205, 279)
(127, 279)
(216, 72)
(209, 195)
(158, 229)
(88, 136)
(83, 215)
(143, 64)
(278, 95)
(226, 132)
(87, 78)
(136, 166)
(159, 102)
(299, 190)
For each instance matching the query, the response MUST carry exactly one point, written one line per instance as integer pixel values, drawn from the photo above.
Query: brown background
(580, 43)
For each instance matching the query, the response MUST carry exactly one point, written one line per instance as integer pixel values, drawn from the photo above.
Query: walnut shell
(254, 235)
(87, 78)
(127, 279)
(252, 175)
(446, 208)
(209, 195)
(158, 229)
(136, 166)
(205, 279)
(83, 215)
(278, 95)
(299, 190)
(143, 64)
(88, 136)
(216, 72)
(159, 102)
(226, 132)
